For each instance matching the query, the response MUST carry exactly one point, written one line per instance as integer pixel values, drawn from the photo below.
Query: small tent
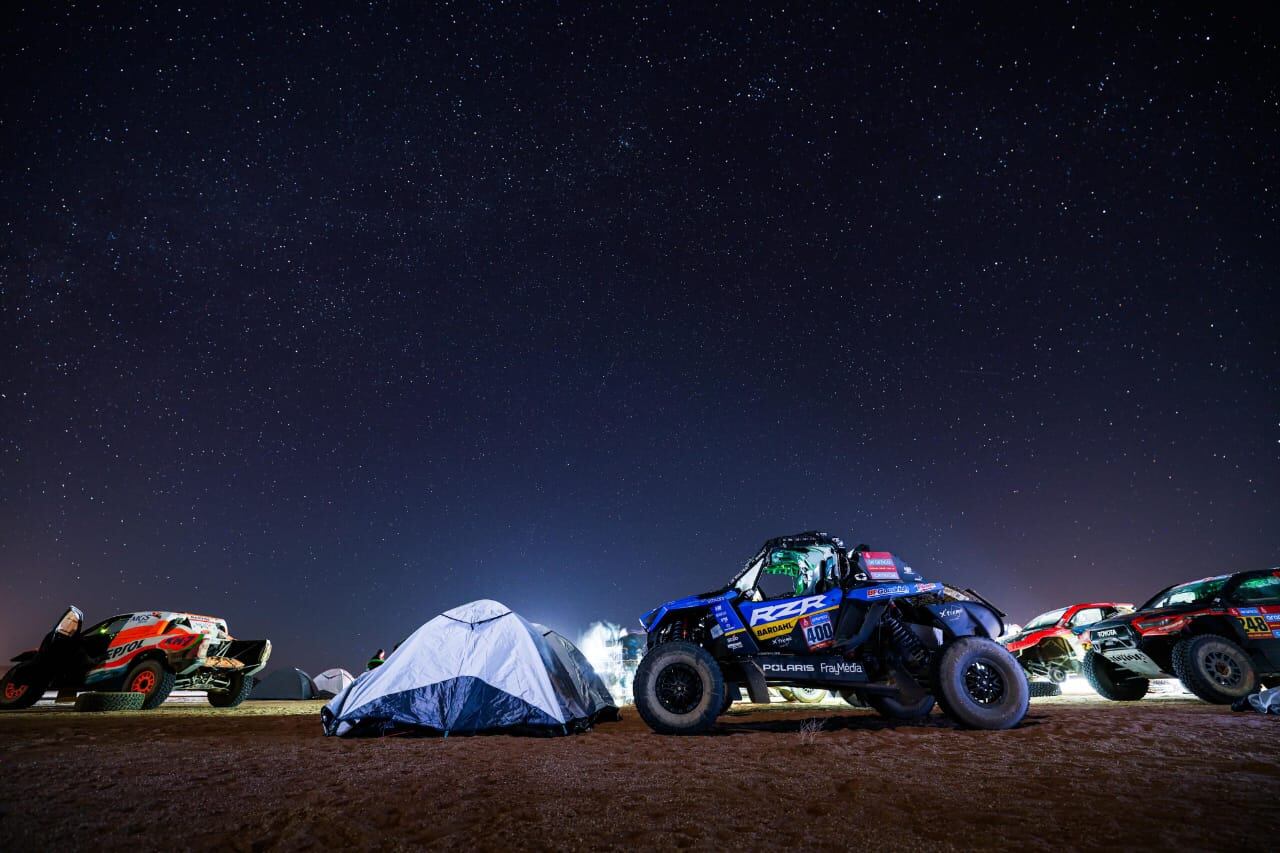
(331, 682)
(475, 668)
(284, 684)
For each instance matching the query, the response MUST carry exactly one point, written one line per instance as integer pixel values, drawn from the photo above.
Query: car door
(784, 622)
(1255, 602)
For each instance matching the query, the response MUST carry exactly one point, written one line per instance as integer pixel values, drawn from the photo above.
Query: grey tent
(284, 684)
(476, 668)
(585, 682)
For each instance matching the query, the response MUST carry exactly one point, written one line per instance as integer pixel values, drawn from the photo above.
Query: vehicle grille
(1114, 637)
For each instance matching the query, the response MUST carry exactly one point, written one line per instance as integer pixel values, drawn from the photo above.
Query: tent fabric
(587, 684)
(476, 668)
(284, 684)
(331, 682)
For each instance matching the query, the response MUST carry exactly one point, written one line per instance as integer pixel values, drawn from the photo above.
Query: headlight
(1163, 625)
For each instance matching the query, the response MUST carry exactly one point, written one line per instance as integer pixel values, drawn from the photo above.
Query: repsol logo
(786, 609)
(120, 651)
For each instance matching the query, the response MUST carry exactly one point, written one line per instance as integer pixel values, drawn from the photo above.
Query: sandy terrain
(1078, 774)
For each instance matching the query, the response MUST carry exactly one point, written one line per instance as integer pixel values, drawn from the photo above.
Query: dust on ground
(1077, 774)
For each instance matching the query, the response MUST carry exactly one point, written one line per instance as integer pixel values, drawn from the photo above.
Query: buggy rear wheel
(239, 691)
(20, 688)
(153, 680)
(980, 685)
(679, 689)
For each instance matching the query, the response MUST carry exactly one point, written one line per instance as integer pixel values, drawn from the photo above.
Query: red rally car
(1051, 647)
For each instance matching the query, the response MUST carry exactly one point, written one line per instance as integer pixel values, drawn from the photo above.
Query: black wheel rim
(679, 688)
(984, 683)
(1224, 669)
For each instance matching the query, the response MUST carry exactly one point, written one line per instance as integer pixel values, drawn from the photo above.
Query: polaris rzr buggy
(806, 613)
(152, 653)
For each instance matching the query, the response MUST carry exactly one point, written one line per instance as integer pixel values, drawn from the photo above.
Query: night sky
(325, 321)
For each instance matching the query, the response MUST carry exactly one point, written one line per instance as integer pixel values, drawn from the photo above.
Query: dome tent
(475, 668)
(331, 682)
(284, 684)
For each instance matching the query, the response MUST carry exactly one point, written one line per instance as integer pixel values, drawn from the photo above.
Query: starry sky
(325, 320)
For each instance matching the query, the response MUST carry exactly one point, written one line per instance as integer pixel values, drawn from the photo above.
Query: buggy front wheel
(679, 689)
(980, 685)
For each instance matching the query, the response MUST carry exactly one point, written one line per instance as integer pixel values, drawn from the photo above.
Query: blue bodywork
(721, 604)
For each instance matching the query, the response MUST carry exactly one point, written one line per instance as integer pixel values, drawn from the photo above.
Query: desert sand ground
(1078, 774)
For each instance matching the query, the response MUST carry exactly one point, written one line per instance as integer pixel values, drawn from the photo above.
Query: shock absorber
(909, 646)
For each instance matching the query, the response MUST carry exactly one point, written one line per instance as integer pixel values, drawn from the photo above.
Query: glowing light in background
(613, 652)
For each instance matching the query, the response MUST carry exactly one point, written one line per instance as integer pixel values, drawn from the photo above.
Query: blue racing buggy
(806, 612)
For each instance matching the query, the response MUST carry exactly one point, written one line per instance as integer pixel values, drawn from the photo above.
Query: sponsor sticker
(1255, 626)
(788, 667)
(880, 566)
(818, 631)
(843, 667)
(881, 591)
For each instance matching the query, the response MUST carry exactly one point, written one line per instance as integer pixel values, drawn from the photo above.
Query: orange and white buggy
(151, 652)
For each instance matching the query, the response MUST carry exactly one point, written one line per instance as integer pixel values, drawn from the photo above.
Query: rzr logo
(786, 609)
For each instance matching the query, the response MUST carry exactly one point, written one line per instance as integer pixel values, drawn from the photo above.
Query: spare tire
(110, 701)
(1041, 689)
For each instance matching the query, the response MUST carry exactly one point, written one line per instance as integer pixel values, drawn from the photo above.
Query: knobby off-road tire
(20, 689)
(1215, 669)
(110, 701)
(153, 680)
(979, 684)
(239, 691)
(1042, 689)
(679, 689)
(1110, 681)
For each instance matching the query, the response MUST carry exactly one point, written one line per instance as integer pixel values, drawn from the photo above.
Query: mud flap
(757, 689)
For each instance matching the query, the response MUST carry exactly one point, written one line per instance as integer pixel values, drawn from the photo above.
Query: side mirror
(70, 623)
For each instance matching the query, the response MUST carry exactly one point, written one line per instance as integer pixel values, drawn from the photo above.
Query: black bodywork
(1142, 642)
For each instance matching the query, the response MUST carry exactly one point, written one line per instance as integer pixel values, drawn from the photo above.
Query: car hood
(650, 617)
(1024, 639)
